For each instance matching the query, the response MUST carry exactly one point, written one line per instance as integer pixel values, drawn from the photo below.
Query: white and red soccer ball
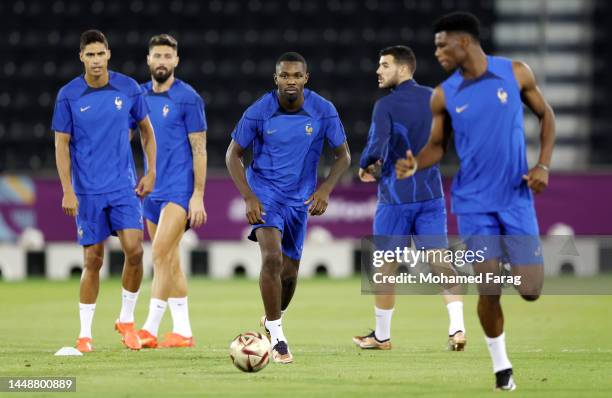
(250, 351)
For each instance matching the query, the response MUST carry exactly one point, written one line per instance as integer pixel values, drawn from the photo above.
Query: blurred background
(228, 49)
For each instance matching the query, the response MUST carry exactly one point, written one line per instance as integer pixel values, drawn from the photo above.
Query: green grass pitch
(560, 346)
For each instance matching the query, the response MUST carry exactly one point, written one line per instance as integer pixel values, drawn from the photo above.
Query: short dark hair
(92, 36)
(459, 22)
(163, 40)
(402, 55)
(292, 56)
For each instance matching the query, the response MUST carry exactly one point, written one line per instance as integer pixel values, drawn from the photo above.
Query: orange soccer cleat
(83, 344)
(147, 340)
(124, 327)
(175, 340)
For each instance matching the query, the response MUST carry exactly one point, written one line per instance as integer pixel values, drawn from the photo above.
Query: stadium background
(227, 50)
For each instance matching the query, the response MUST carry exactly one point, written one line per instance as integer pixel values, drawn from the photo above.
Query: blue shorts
(425, 221)
(290, 221)
(102, 215)
(512, 235)
(152, 207)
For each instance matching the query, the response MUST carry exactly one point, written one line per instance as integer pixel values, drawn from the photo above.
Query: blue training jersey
(97, 120)
(287, 146)
(487, 119)
(401, 120)
(174, 114)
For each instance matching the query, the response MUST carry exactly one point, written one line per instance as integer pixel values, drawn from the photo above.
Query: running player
(177, 202)
(287, 128)
(482, 102)
(95, 165)
(401, 120)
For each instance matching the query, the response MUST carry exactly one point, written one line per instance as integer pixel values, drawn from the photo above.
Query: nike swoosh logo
(460, 109)
(271, 131)
(85, 108)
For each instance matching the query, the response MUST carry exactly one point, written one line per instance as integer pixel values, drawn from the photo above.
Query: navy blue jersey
(174, 114)
(287, 146)
(401, 120)
(97, 120)
(487, 120)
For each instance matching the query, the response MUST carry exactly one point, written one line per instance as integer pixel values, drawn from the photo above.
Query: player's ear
(81, 56)
(275, 79)
(177, 61)
(108, 54)
(306, 77)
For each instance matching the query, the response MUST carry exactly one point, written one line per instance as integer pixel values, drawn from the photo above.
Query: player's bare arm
(197, 213)
(435, 148)
(233, 161)
(537, 177)
(70, 204)
(320, 198)
(147, 139)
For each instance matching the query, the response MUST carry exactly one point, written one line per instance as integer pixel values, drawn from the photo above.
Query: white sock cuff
(493, 340)
(130, 295)
(87, 306)
(159, 303)
(177, 300)
(458, 304)
(383, 312)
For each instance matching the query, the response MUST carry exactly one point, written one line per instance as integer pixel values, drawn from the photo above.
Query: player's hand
(145, 186)
(537, 179)
(405, 168)
(369, 174)
(318, 201)
(197, 213)
(70, 204)
(254, 210)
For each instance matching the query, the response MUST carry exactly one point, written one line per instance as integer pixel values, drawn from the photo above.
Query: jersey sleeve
(195, 116)
(378, 137)
(62, 116)
(334, 130)
(139, 109)
(245, 132)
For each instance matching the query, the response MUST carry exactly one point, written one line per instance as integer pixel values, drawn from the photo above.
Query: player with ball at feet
(287, 128)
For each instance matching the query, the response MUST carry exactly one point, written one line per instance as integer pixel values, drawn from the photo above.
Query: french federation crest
(165, 110)
(308, 129)
(118, 103)
(502, 95)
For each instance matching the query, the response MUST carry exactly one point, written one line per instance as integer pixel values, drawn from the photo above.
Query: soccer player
(95, 166)
(401, 120)
(177, 202)
(287, 128)
(482, 102)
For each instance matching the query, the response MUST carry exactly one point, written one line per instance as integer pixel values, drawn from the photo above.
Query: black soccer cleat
(504, 380)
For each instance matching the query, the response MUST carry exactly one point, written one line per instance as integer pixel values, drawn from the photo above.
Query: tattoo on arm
(198, 144)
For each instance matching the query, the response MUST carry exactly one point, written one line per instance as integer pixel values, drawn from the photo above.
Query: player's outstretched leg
(181, 335)
(131, 243)
(89, 287)
(492, 321)
(271, 290)
(166, 236)
(380, 337)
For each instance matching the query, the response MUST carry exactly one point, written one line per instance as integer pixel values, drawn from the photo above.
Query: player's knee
(161, 255)
(272, 261)
(133, 255)
(93, 261)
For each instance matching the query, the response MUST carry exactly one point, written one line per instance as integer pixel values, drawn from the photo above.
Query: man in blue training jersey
(401, 120)
(177, 202)
(287, 128)
(482, 102)
(96, 169)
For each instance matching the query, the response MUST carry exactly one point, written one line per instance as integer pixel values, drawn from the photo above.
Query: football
(250, 351)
